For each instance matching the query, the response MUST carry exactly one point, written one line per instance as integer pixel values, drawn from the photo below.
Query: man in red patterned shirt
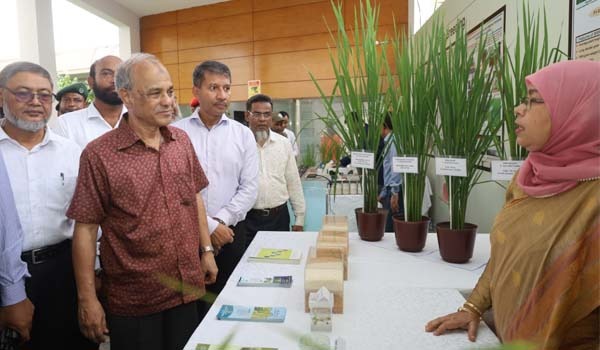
(140, 183)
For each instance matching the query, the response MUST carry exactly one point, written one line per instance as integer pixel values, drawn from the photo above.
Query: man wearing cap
(102, 115)
(278, 124)
(71, 98)
(278, 180)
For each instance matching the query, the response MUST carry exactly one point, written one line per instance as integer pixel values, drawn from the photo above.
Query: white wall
(487, 199)
(127, 21)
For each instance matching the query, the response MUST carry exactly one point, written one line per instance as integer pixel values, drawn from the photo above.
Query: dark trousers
(276, 221)
(166, 330)
(53, 293)
(386, 203)
(227, 259)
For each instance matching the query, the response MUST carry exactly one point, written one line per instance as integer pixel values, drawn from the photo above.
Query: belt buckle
(265, 212)
(33, 254)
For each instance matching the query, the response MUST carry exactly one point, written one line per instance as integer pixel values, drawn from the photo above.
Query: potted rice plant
(413, 109)
(468, 123)
(359, 66)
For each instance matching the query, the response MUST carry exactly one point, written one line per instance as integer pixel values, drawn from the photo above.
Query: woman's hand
(458, 320)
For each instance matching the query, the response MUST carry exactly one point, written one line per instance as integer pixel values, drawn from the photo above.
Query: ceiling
(150, 7)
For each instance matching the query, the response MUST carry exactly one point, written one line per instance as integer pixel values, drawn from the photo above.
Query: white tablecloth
(388, 297)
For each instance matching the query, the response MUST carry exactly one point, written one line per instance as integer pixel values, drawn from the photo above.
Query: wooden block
(327, 242)
(335, 219)
(335, 223)
(325, 268)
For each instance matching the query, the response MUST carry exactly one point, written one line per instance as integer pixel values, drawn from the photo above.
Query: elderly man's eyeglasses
(257, 115)
(527, 101)
(26, 96)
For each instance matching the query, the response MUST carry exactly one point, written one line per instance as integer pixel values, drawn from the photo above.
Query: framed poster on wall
(584, 31)
(493, 27)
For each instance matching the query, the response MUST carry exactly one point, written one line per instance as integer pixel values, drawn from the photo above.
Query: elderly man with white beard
(42, 168)
(278, 179)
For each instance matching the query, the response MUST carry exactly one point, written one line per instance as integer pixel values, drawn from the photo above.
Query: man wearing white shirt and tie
(102, 115)
(227, 152)
(279, 180)
(42, 168)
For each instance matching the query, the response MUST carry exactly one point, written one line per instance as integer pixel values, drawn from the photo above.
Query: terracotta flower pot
(410, 235)
(371, 225)
(456, 246)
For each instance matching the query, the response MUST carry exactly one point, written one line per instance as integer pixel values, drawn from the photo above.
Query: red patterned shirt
(144, 201)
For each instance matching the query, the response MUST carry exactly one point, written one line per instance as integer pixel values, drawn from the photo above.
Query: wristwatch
(207, 248)
(219, 221)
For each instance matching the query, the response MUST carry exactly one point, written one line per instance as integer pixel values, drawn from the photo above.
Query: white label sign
(451, 167)
(505, 169)
(405, 165)
(365, 160)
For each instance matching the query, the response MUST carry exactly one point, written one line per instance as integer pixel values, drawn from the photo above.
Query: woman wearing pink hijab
(543, 276)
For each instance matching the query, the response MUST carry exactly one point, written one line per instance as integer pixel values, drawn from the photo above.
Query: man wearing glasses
(141, 183)
(278, 180)
(42, 168)
(227, 152)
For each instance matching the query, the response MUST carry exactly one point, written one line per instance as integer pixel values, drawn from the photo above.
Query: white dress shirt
(227, 153)
(43, 181)
(292, 137)
(279, 179)
(84, 125)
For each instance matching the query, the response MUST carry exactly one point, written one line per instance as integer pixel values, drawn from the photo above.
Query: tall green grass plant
(359, 66)
(467, 126)
(413, 101)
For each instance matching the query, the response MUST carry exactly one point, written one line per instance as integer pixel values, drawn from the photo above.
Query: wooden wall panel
(215, 32)
(278, 42)
(293, 21)
(174, 73)
(261, 5)
(387, 8)
(293, 66)
(159, 39)
(184, 96)
(158, 20)
(215, 52)
(239, 92)
(222, 9)
(168, 57)
(305, 89)
(297, 43)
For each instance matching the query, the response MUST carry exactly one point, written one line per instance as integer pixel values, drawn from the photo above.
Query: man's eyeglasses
(26, 96)
(257, 115)
(527, 101)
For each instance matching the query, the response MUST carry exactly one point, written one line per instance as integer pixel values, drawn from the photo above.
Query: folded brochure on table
(252, 313)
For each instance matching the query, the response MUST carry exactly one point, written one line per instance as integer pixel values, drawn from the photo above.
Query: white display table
(389, 296)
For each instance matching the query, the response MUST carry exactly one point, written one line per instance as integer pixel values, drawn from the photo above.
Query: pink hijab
(571, 90)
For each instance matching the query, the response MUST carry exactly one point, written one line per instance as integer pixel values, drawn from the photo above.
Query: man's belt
(39, 255)
(268, 211)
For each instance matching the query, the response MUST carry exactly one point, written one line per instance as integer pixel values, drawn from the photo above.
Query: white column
(36, 33)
